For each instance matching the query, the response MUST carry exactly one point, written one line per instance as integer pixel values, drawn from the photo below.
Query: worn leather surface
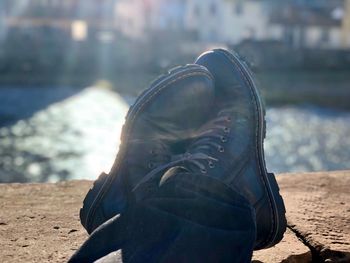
(155, 128)
(173, 116)
(241, 166)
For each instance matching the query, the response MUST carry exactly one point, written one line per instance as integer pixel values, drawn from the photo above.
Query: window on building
(238, 8)
(325, 35)
(288, 36)
(197, 10)
(213, 9)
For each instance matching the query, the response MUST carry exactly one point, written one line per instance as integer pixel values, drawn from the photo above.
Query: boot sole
(279, 223)
(102, 185)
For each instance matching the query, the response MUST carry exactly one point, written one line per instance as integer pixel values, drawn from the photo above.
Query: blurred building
(345, 34)
(66, 15)
(137, 18)
(312, 25)
(299, 23)
(208, 20)
(230, 21)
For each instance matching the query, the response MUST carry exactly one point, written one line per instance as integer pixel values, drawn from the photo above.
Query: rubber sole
(102, 185)
(89, 199)
(271, 187)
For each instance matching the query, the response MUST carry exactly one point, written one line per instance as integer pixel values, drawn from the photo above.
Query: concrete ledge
(40, 222)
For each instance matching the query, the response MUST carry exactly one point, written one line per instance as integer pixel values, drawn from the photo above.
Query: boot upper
(159, 124)
(237, 130)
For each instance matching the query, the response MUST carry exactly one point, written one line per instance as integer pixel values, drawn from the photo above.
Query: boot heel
(280, 210)
(89, 200)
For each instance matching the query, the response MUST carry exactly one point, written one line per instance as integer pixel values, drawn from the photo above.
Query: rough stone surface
(290, 250)
(318, 210)
(40, 222)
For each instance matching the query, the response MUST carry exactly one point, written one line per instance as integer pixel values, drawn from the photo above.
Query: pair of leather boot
(196, 133)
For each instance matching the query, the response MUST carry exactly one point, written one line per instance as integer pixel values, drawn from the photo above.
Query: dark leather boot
(162, 117)
(233, 143)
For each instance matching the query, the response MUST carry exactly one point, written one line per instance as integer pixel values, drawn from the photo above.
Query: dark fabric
(185, 218)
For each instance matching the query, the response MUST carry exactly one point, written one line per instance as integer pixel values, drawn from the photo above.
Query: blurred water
(76, 136)
(307, 139)
(72, 139)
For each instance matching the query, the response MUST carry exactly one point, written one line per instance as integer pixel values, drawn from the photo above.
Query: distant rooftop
(302, 15)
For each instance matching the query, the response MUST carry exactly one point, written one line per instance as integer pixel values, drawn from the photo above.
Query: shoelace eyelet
(211, 164)
(228, 119)
(226, 130)
(203, 171)
(223, 139)
(221, 149)
(151, 165)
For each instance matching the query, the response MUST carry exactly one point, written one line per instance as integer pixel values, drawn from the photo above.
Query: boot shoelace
(198, 154)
